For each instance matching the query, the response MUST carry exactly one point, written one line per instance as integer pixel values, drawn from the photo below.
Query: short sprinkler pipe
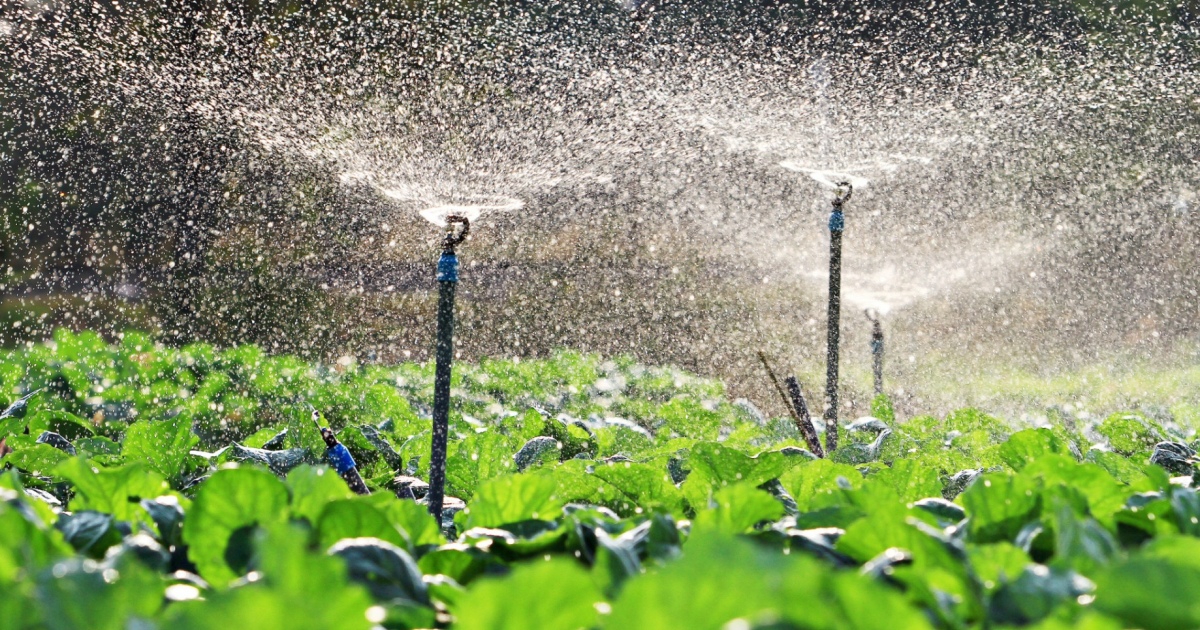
(339, 457)
(447, 278)
(876, 349)
(837, 223)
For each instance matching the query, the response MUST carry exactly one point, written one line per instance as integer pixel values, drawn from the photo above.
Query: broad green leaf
(113, 491)
(162, 444)
(717, 580)
(738, 508)
(1152, 592)
(477, 459)
(906, 480)
(814, 485)
(621, 486)
(63, 423)
(37, 459)
(355, 518)
(996, 563)
(299, 590)
(228, 501)
(414, 519)
(554, 595)
(79, 593)
(715, 466)
(1105, 495)
(514, 498)
(687, 417)
(1025, 446)
(312, 487)
(1128, 433)
(999, 505)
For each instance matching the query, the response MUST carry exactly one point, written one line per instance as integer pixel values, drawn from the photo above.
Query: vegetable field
(150, 487)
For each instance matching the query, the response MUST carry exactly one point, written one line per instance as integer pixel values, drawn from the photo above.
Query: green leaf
(79, 593)
(621, 486)
(113, 491)
(228, 501)
(299, 590)
(996, 563)
(715, 466)
(814, 485)
(1128, 433)
(163, 445)
(905, 481)
(1152, 592)
(553, 595)
(312, 487)
(385, 569)
(1025, 446)
(415, 519)
(63, 423)
(477, 459)
(881, 407)
(738, 508)
(357, 518)
(1105, 495)
(999, 505)
(37, 459)
(687, 417)
(514, 498)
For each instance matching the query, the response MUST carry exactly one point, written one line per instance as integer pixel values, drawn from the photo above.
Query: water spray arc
(876, 349)
(837, 222)
(447, 278)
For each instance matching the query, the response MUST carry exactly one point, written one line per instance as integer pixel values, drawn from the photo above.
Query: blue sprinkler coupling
(837, 220)
(447, 267)
(339, 457)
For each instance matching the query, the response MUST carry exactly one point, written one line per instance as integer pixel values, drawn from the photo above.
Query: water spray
(837, 223)
(339, 457)
(447, 278)
(876, 348)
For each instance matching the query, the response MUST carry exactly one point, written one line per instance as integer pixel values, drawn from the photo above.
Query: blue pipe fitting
(447, 267)
(339, 457)
(837, 221)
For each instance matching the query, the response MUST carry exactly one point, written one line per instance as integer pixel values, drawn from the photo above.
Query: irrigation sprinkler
(837, 223)
(447, 278)
(339, 456)
(876, 348)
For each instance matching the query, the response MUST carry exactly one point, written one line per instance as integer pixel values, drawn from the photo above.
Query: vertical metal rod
(441, 394)
(447, 276)
(836, 225)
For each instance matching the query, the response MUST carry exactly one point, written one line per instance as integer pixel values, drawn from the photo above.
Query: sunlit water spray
(660, 186)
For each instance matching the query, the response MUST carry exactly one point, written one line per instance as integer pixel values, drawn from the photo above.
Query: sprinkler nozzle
(843, 195)
(452, 240)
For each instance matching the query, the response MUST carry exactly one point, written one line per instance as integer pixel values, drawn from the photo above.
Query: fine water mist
(651, 179)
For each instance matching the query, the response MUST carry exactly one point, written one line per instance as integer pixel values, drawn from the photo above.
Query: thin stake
(876, 350)
(798, 410)
(836, 225)
(806, 424)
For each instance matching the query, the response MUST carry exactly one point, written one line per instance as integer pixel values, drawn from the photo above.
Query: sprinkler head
(453, 239)
(326, 432)
(844, 190)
